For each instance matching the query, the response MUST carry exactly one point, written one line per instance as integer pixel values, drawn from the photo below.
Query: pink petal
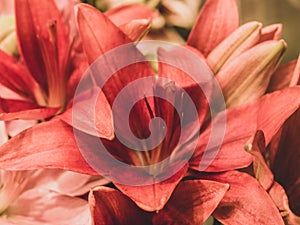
(271, 32)
(109, 206)
(3, 133)
(136, 29)
(126, 13)
(46, 207)
(247, 77)
(242, 123)
(192, 202)
(15, 127)
(216, 21)
(17, 109)
(243, 38)
(153, 197)
(246, 202)
(49, 144)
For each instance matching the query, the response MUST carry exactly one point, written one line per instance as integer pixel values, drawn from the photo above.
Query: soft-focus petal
(3, 133)
(136, 29)
(49, 144)
(271, 32)
(15, 127)
(47, 207)
(109, 206)
(239, 41)
(192, 202)
(126, 13)
(216, 21)
(258, 116)
(247, 77)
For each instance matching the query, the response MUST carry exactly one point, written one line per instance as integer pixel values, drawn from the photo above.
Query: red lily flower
(57, 152)
(45, 78)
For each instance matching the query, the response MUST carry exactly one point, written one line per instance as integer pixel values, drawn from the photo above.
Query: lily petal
(247, 77)
(259, 117)
(245, 204)
(33, 23)
(216, 21)
(271, 32)
(49, 144)
(192, 202)
(261, 170)
(136, 29)
(153, 197)
(284, 160)
(109, 206)
(48, 207)
(17, 109)
(126, 13)
(283, 76)
(239, 41)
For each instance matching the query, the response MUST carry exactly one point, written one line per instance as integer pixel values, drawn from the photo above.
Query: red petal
(126, 13)
(16, 77)
(266, 114)
(282, 76)
(285, 160)
(90, 119)
(153, 197)
(261, 170)
(49, 144)
(96, 42)
(109, 206)
(246, 202)
(216, 21)
(192, 202)
(17, 109)
(32, 24)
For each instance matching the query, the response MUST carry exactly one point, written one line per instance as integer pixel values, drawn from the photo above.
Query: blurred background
(286, 12)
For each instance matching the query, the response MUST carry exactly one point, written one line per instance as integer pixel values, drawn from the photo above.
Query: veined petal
(153, 197)
(192, 202)
(18, 109)
(109, 206)
(246, 202)
(242, 123)
(247, 77)
(37, 43)
(16, 77)
(271, 32)
(216, 21)
(239, 41)
(49, 144)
